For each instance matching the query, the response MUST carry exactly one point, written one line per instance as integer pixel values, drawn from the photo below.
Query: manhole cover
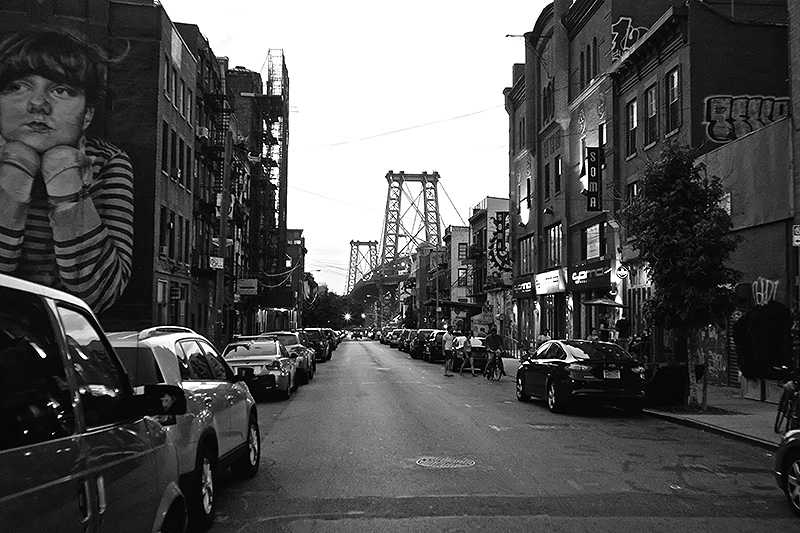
(445, 462)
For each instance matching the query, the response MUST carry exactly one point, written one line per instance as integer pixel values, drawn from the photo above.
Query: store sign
(216, 263)
(593, 176)
(595, 275)
(551, 282)
(524, 288)
(247, 287)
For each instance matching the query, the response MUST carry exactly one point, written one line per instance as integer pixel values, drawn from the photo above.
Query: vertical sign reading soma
(593, 179)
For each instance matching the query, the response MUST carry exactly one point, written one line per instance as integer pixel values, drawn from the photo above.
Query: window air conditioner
(162, 250)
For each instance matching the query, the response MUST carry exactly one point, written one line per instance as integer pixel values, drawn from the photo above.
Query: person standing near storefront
(605, 330)
(447, 349)
(623, 327)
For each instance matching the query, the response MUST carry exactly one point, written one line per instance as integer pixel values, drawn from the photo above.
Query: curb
(735, 435)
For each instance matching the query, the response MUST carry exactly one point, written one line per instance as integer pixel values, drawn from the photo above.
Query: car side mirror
(159, 400)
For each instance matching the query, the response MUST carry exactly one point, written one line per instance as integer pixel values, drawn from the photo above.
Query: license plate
(611, 374)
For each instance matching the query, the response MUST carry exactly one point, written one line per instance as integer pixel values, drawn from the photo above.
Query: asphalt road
(380, 442)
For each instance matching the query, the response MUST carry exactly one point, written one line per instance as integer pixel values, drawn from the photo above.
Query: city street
(380, 442)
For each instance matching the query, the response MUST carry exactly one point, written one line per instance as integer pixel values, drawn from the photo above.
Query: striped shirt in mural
(84, 249)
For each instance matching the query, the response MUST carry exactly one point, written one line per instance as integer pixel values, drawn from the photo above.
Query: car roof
(41, 290)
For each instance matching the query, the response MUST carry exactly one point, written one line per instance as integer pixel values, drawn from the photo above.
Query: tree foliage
(327, 310)
(682, 234)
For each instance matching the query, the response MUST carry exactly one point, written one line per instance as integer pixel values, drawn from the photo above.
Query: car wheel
(174, 520)
(791, 481)
(200, 493)
(553, 398)
(304, 379)
(311, 372)
(520, 387)
(247, 465)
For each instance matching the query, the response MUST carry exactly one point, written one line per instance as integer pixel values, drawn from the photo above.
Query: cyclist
(494, 345)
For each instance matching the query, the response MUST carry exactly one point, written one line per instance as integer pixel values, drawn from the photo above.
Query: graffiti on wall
(731, 117)
(623, 36)
(713, 343)
(764, 290)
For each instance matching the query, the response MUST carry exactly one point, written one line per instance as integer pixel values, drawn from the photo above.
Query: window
(526, 255)
(601, 142)
(218, 368)
(179, 239)
(162, 237)
(631, 191)
(174, 84)
(583, 72)
(165, 147)
(101, 381)
(595, 63)
(651, 115)
(35, 402)
(178, 168)
(557, 166)
(199, 369)
(182, 98)
(171, 234)
(187, 172)
(173, 156)
(547, 180)
(167, 78)
(630, 129)
(673, 101)
(187, 232)
(589, 72)
(189, 105)
(462, 251)
(553, 240)
(462, 277)
(593, 242)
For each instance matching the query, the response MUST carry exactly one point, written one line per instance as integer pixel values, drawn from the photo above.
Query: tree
(683, 236)
(327, 310)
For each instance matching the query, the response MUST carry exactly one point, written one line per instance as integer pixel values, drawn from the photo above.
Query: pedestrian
(67, 216)
(623, 327)
(543, 337)
(447, 348)
(466, 353)
(605, 330)
(593, 336)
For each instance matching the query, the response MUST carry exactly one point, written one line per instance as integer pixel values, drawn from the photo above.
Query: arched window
(589, 71)
(595, 65)
(583, 72)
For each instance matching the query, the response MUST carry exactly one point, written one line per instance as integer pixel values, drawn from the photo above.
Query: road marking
(498, 428)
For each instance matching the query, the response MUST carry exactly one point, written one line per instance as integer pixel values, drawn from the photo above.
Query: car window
(314, 335)
(198, 364)
(218, 368)
(251, 349)
(35, 399)
(554, 352)
(599, 351)
(287, 340)
(102, 383)
(140, 364)
(284, 351)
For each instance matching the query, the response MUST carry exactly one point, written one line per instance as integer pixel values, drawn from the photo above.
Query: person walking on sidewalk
(466, 353)
(623, 327)
(447, 339)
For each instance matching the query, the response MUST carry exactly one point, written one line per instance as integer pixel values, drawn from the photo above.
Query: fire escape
(270, 216)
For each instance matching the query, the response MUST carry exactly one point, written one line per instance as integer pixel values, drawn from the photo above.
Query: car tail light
(275, 365)
(577, 367)
(639, 370)
(165, 420)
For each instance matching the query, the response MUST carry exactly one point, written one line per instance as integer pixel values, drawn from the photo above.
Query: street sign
(216, 263)
(796, 235)
(594, 179)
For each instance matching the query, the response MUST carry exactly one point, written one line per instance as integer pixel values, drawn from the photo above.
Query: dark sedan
(564, 372)
(787, 468)
(416, 347)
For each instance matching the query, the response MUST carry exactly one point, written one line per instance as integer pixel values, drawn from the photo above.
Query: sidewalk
(731, 415)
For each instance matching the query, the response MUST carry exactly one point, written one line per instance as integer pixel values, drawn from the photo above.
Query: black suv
(319, 341)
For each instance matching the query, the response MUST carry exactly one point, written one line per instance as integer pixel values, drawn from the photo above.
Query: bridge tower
(361, 263)
(424, 224)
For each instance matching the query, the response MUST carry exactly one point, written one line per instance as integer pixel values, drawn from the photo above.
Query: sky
(375, 87)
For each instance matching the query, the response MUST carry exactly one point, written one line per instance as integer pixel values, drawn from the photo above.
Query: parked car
(333, 338)
(416, 346)
(220, 427)
(319, 341)
(403, 340)
(265, 364)
(394, 337)
(787, 468)
(384, 334)
(76, 440)
(434, 347)
(296, 343)
(565, 372)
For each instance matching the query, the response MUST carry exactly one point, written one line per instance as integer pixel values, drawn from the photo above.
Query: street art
(731, 117)
(764, 290)
(624, 36)
(712, 348)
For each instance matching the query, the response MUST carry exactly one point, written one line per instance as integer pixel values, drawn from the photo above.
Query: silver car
(220, 427)
(297, 344)
(265, 364)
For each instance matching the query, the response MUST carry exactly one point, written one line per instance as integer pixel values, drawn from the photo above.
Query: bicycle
(494, 366)
(788, 416)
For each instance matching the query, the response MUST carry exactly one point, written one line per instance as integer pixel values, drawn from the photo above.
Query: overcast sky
(377, 86)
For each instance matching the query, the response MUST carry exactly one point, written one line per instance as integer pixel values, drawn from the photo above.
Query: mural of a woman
(66, 201)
